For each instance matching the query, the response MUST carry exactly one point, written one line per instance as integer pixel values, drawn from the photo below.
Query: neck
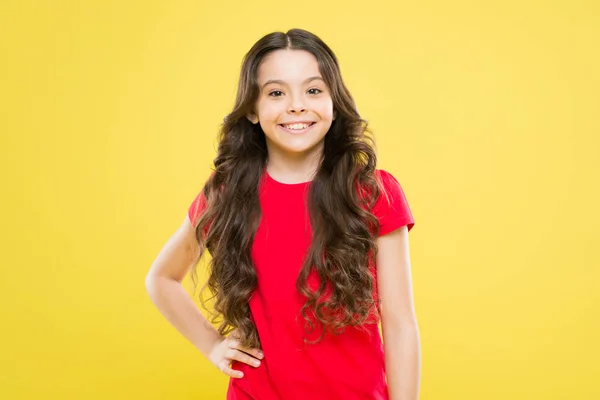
(294, 167)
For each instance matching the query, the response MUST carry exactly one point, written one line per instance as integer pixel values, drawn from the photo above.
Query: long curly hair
(340, 201)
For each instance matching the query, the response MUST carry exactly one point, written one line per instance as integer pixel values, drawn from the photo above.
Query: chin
(289, 144)
(301, 148)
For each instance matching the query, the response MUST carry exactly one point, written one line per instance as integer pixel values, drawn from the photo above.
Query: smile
(297, 131)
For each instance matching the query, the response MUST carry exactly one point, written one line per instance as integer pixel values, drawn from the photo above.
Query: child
(309, 241)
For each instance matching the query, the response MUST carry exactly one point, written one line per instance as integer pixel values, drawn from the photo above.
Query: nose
(296, 105)
(298, 110)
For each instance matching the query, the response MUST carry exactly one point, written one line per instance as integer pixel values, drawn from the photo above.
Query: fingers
(256, 353)
(234, 354)
(237, 352)
(227, 370)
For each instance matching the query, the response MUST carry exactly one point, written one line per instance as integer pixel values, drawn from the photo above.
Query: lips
(296, 131)
(299, 122)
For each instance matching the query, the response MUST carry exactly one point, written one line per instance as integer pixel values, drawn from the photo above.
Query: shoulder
(200, 202)
(388, 184)
(197, 207)
(391, 206)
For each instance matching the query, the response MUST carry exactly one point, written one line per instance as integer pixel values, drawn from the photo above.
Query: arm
(399, 324)
(163, 284)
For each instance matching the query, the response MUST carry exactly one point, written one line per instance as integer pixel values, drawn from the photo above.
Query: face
(292, 90)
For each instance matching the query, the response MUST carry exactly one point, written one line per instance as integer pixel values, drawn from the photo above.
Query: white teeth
(297, 126)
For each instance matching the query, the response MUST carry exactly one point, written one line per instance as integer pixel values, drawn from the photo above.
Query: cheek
(326, 110)
(269, 111)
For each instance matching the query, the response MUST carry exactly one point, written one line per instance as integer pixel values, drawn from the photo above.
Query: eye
(318, 90)
(275, 91)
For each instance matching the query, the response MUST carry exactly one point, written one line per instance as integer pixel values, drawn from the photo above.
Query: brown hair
(340, 217)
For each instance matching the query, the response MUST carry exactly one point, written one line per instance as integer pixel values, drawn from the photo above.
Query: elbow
(151, 283)
(406, 327)
(406, 333)
(400, 323)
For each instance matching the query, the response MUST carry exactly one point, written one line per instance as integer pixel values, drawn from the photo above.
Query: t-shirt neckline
(285, 185)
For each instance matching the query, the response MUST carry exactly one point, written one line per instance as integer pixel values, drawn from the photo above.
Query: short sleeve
(391, 208)
(196, 209)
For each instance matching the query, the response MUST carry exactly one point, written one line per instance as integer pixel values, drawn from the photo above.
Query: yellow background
(486, 112)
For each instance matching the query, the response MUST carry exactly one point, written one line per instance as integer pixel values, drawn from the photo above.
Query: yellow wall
(487, 113)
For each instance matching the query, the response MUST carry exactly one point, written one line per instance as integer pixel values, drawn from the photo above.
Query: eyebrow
(312, 78)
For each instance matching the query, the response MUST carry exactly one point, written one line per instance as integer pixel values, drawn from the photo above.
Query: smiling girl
(309, 242)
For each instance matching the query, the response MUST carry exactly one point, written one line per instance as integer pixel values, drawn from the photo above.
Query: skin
(293, 158)
(164, 286)
(401, 341)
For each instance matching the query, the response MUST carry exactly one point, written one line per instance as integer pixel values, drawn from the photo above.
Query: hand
(230, 349)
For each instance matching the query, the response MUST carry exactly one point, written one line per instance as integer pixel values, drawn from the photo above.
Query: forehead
(292, 66)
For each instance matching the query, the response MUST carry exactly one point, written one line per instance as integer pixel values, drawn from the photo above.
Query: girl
(309, 242)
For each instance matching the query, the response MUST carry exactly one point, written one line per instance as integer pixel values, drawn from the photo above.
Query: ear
(252, 118)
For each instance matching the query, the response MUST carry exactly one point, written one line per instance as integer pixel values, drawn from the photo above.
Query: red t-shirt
(349, 366)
